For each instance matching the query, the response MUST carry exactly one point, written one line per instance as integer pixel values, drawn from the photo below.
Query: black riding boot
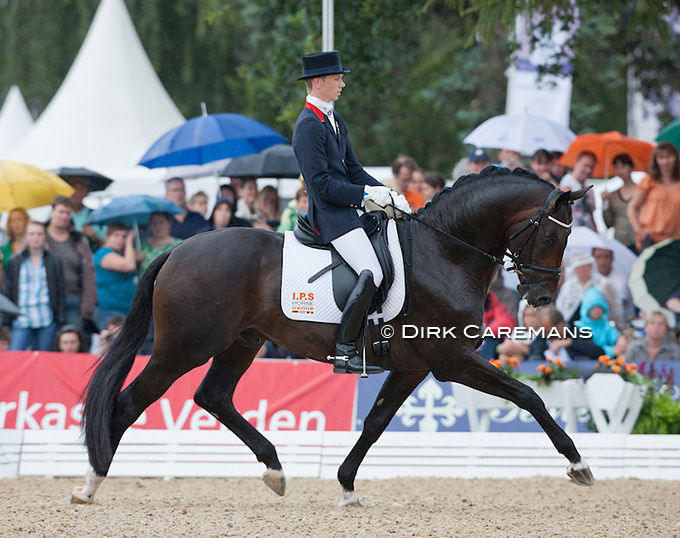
(347, 358)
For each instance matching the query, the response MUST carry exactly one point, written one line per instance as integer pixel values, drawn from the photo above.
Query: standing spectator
(655, 345)
(433, 183)
(199, 203)
(228, 191)
(222, 216)
(417, 179)
(653, 211)
(289, 215)
(247, 196)
(615, 204)
(604, 263)
(269, 206)
(5, 337)
(70, 339)
(541, 164)
(402, 171)
(159, 242)
(188, 222)
(76, 255)
(80, 213)
(582, 210)
(35, 282)
(509, 158)
(495, 317)
(17, 222)
(557, 171)
(478, 161)
(116, 274)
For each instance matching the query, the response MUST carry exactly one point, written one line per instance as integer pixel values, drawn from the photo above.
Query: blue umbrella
(132, 210)
(209, 138)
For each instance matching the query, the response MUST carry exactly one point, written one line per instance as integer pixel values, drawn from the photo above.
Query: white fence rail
(161, 453)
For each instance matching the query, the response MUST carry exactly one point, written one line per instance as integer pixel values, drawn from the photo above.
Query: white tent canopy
(15, 121)
(111, 106)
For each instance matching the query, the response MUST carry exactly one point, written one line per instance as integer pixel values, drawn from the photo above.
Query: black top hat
(321, 64)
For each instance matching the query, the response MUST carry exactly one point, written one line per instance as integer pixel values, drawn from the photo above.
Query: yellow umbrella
(23, 185)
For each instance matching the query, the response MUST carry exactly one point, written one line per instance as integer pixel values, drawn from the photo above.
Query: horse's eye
(551, 239)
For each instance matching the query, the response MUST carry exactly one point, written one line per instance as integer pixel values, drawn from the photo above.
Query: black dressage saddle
(344, 277)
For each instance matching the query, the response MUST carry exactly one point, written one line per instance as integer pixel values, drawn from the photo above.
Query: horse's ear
(577, 195)
(563, 199)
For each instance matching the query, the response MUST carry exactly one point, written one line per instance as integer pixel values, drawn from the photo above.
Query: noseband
(532, 225)
(517, 265)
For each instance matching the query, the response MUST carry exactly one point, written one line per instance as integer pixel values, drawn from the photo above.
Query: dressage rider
(337, 186)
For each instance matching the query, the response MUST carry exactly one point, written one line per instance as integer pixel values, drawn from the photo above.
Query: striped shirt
(34, 297)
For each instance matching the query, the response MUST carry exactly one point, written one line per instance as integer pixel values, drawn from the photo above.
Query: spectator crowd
(72, 281)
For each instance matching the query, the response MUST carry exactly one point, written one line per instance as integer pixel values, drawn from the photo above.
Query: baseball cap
(478, 155)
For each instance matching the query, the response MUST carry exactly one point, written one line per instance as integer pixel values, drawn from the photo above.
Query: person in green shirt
(159, 242)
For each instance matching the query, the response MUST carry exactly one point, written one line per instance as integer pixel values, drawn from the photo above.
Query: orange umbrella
(606, 146)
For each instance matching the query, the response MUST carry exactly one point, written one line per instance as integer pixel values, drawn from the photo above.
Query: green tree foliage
(424, 72)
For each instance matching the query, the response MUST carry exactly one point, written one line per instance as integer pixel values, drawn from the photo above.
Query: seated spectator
(268, 205)
(673, 304)
(558, 341)
(113, 326)
(228, 192)
(478, 160)
(581, 210)
(289, 215)
(509, 158)
(417, 179)
(247, 196)
(5, 337)
(188, 223)
(595, 316)
(604, 265)
(433, 183)
(159, 242)
(70, 339)
(116, 274)
(199, 203)
(519, 347)
(17, 222)
(653, 211)
(656, 343)
(557, 171)
(508, 296)
(540, 165)
(222, 216)
(615, 204)
(575, 286)
(35, 283)
(402, 172)
(495, 317)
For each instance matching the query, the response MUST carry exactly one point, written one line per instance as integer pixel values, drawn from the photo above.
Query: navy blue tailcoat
(334, 179)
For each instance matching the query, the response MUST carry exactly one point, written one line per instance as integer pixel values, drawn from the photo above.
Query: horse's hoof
(78, 497)
(349, 498)
(275, 480)
(580, 474)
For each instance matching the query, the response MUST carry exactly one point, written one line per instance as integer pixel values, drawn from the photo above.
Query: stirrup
(342, 364)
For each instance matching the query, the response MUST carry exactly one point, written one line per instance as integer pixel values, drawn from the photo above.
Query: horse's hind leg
(145, 389)
(215, 395)
(480, 374)
(393, 393)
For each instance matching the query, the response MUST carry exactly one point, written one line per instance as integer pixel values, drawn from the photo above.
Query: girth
(344, 277)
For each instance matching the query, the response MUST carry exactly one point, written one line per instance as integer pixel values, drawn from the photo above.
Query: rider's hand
(401, 203)
(378, 195)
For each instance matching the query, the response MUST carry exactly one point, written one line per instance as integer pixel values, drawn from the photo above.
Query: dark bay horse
(218, 295)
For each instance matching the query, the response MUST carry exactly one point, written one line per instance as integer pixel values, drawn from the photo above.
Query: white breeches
(356, 249)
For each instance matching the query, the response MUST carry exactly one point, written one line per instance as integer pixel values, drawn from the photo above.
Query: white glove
(400, 202)
(378, 195)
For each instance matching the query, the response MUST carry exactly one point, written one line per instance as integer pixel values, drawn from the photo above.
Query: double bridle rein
(517, 265)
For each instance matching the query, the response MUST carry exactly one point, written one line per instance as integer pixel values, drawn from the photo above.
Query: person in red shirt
(495, 317)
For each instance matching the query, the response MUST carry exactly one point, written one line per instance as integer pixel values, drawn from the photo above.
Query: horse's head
(537, 247)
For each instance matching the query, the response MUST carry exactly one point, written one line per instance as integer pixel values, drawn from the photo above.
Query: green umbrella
(671, 133)
(655, 275)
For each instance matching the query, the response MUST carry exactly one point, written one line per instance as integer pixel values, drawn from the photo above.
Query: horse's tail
(113, 367)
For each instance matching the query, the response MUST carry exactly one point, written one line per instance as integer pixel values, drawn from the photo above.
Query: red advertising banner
(40, 390)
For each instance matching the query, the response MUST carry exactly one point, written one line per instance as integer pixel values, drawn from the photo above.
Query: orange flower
(631, 368)
(604, 359)
(496, 362)
(540, 367)
(559, 362)
(616, 369)
(548, 370)
(619, 361)
(513, 361)
(549, 360)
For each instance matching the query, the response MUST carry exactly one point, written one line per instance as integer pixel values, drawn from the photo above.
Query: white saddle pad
(302, 301)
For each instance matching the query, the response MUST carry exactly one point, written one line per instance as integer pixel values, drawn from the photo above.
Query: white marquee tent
(15, 121)
(110, 108)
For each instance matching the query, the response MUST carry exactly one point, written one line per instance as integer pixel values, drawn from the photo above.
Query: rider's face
(330, 87)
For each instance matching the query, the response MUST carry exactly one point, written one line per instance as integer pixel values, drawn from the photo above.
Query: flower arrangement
(628, 371)
(510, 365)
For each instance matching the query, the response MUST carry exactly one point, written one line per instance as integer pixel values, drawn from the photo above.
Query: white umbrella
(583, 238)
(524, 133)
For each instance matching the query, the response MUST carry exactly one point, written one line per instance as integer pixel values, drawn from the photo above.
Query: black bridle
(517, 265)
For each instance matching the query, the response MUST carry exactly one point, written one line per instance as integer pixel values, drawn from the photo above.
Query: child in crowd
(595, 315)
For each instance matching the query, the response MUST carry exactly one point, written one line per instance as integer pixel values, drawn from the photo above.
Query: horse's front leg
(478, 373)
(393, 393)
